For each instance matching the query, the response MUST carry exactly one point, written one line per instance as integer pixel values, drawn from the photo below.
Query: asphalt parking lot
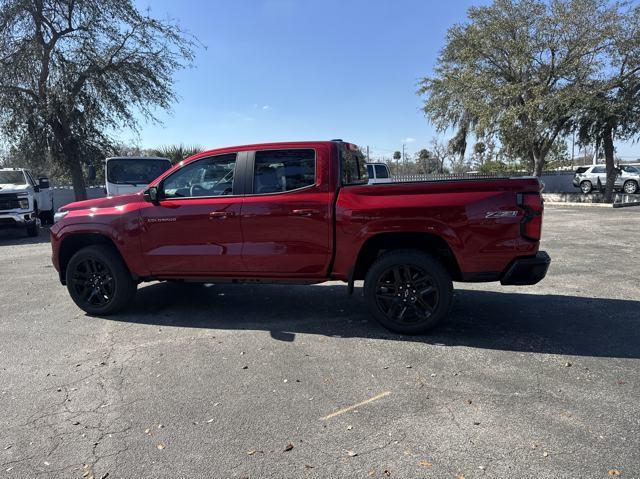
(298, 382)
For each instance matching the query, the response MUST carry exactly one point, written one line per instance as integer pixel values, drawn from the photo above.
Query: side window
(206, 177)
(381, 172)
(370, 171)
(598, 169)
(276, 171)
(29, 178)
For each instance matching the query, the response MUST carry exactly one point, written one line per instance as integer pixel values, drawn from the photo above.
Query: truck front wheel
(408, 291)
(98, 280)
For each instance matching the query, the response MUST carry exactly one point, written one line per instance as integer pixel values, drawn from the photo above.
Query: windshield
(12, 177)
(135, 171)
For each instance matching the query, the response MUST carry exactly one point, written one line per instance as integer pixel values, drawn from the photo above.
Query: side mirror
(43, 183)
(151, 195)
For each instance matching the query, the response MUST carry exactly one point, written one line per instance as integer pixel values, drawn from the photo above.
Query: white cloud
(266, 107)
(409, 140)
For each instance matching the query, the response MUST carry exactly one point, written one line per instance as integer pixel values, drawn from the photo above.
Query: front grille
(9, 201)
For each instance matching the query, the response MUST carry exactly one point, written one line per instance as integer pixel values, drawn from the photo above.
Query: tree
(176, 153)
(515, 71)
(613, 108)
(71, 70)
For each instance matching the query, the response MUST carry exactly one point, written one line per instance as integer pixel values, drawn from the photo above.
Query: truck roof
(136, 158)
(13, 169)
(267, 146)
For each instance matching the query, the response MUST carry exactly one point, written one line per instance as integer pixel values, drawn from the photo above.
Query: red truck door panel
(195, 228)
(287, 215)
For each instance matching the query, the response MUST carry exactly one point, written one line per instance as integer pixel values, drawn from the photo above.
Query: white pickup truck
(24, 202)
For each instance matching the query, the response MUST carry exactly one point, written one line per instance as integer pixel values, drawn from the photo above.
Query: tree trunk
(71, 155)
(538, 162)
(607, 143)
(77, 177)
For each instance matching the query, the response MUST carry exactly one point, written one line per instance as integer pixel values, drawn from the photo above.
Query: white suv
(627, 179)
(24, 202)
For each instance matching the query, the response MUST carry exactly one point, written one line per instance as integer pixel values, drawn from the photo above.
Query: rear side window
(277, 171)
(581, 170)
(352, 165)
(370, 171)
(598, 169)
(381, 172)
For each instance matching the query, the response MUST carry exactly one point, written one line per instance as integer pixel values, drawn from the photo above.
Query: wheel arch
(71, 244)
(380, 243)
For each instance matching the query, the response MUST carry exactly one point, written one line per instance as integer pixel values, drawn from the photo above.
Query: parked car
(24, 202)
(627, 178)
(378, 173)
(303, 213)
(128, 174)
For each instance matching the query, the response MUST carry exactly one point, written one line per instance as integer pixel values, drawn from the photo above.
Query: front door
(287, 215)
(195, 227)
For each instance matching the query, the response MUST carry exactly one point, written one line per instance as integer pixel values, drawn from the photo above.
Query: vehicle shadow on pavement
(18, 236)
(552, 324)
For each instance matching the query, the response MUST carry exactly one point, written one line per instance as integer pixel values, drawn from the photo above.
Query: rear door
(195, 228)
(287, 213)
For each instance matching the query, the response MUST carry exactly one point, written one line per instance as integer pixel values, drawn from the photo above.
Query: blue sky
(301, 70)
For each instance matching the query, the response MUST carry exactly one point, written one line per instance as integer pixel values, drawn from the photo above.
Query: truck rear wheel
(408, 292)
(98, 280)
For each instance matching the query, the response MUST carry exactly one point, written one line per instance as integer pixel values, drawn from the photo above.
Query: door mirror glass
(43, 183)
(151, 195)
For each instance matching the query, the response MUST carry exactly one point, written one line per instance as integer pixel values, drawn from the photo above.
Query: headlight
(59, 215)
(23, 203)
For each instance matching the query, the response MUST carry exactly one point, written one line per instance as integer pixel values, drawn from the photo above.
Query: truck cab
(24, 202)
(129, 174)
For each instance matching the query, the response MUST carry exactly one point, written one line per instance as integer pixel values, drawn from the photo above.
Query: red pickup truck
(303, 213)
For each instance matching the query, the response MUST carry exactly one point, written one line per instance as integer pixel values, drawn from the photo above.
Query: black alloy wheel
(408, 291)
(99, 281)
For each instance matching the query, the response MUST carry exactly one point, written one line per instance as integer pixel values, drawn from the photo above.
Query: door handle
(220, 214)
(304, 212)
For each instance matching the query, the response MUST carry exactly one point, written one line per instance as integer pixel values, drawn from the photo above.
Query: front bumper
(526, 271)
(22, 218)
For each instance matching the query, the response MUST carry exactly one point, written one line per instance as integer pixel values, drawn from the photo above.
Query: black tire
(630, 185)
(586, 187)
(33, 229)
(99, 281)
(46, 217)
(424, 286)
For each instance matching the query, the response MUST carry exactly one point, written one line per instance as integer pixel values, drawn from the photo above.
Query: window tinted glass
(581, 170)
(352, 165)
(276, 171)
(598, 169)
(207, 177)
(630, 169)
(135, 171)
(370, 171)
(381, 172)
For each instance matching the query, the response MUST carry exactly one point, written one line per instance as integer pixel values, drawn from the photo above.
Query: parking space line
(351, 408)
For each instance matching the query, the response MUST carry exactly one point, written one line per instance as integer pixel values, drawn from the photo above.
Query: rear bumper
(526, 271)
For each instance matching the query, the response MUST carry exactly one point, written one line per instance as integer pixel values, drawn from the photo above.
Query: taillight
(533, 206)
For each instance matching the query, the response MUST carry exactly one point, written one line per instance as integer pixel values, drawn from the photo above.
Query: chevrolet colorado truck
(303, 213)
(24, 202)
